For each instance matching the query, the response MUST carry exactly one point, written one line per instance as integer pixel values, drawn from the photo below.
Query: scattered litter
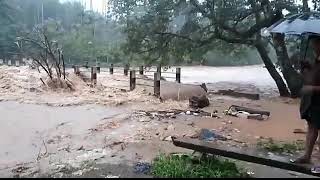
(111, 176)
(247, 113)
(171, 114)
(250, 173)
(168, 138)
(142, 168)
(207, 135)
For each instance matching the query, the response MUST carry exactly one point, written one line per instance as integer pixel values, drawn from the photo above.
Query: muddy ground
(101, 131)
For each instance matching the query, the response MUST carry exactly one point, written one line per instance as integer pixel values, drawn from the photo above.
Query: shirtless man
(310, 101)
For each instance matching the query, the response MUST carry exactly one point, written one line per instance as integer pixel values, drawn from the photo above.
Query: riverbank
(93, 130)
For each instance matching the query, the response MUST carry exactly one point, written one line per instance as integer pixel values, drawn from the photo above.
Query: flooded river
(255, 79)
(22, 132)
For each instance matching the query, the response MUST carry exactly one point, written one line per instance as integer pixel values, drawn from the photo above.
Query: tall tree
(208, 24)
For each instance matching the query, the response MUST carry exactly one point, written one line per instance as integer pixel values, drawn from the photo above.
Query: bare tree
(48, 56)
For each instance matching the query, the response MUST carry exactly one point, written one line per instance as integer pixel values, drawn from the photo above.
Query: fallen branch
(43, 82)
(42, 155)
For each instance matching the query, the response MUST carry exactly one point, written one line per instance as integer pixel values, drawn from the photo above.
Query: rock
(199, 102)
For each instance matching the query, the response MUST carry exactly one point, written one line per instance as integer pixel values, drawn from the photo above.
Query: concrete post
(111, 69)
(94, 75)
(178, 75)
(141, 70)
(126, 69)
(132, 80)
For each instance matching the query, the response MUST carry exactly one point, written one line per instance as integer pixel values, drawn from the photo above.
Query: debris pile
(171, 114)
(247, 113)
(199, 102)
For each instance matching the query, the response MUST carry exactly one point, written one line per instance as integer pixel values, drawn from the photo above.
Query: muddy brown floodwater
(25, 126)
(96, 131)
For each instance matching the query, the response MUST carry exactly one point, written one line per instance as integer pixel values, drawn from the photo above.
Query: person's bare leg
(311, 139)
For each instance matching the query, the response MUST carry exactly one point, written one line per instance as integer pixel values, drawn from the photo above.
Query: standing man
(310, 101)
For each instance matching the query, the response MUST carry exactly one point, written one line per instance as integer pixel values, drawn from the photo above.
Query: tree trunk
(305, 6)
(282, 87)
(292, 77)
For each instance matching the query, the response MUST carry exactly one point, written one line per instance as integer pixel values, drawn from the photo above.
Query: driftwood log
(252, 155)
(250, 110)
(237, 94)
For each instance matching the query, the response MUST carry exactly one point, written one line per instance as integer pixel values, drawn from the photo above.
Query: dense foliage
(167, 32)
(83, 35)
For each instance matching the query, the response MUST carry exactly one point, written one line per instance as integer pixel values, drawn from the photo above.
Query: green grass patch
(281, 147)
(188, 166)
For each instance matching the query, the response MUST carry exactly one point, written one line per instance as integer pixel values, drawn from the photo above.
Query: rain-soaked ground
(89, 141)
